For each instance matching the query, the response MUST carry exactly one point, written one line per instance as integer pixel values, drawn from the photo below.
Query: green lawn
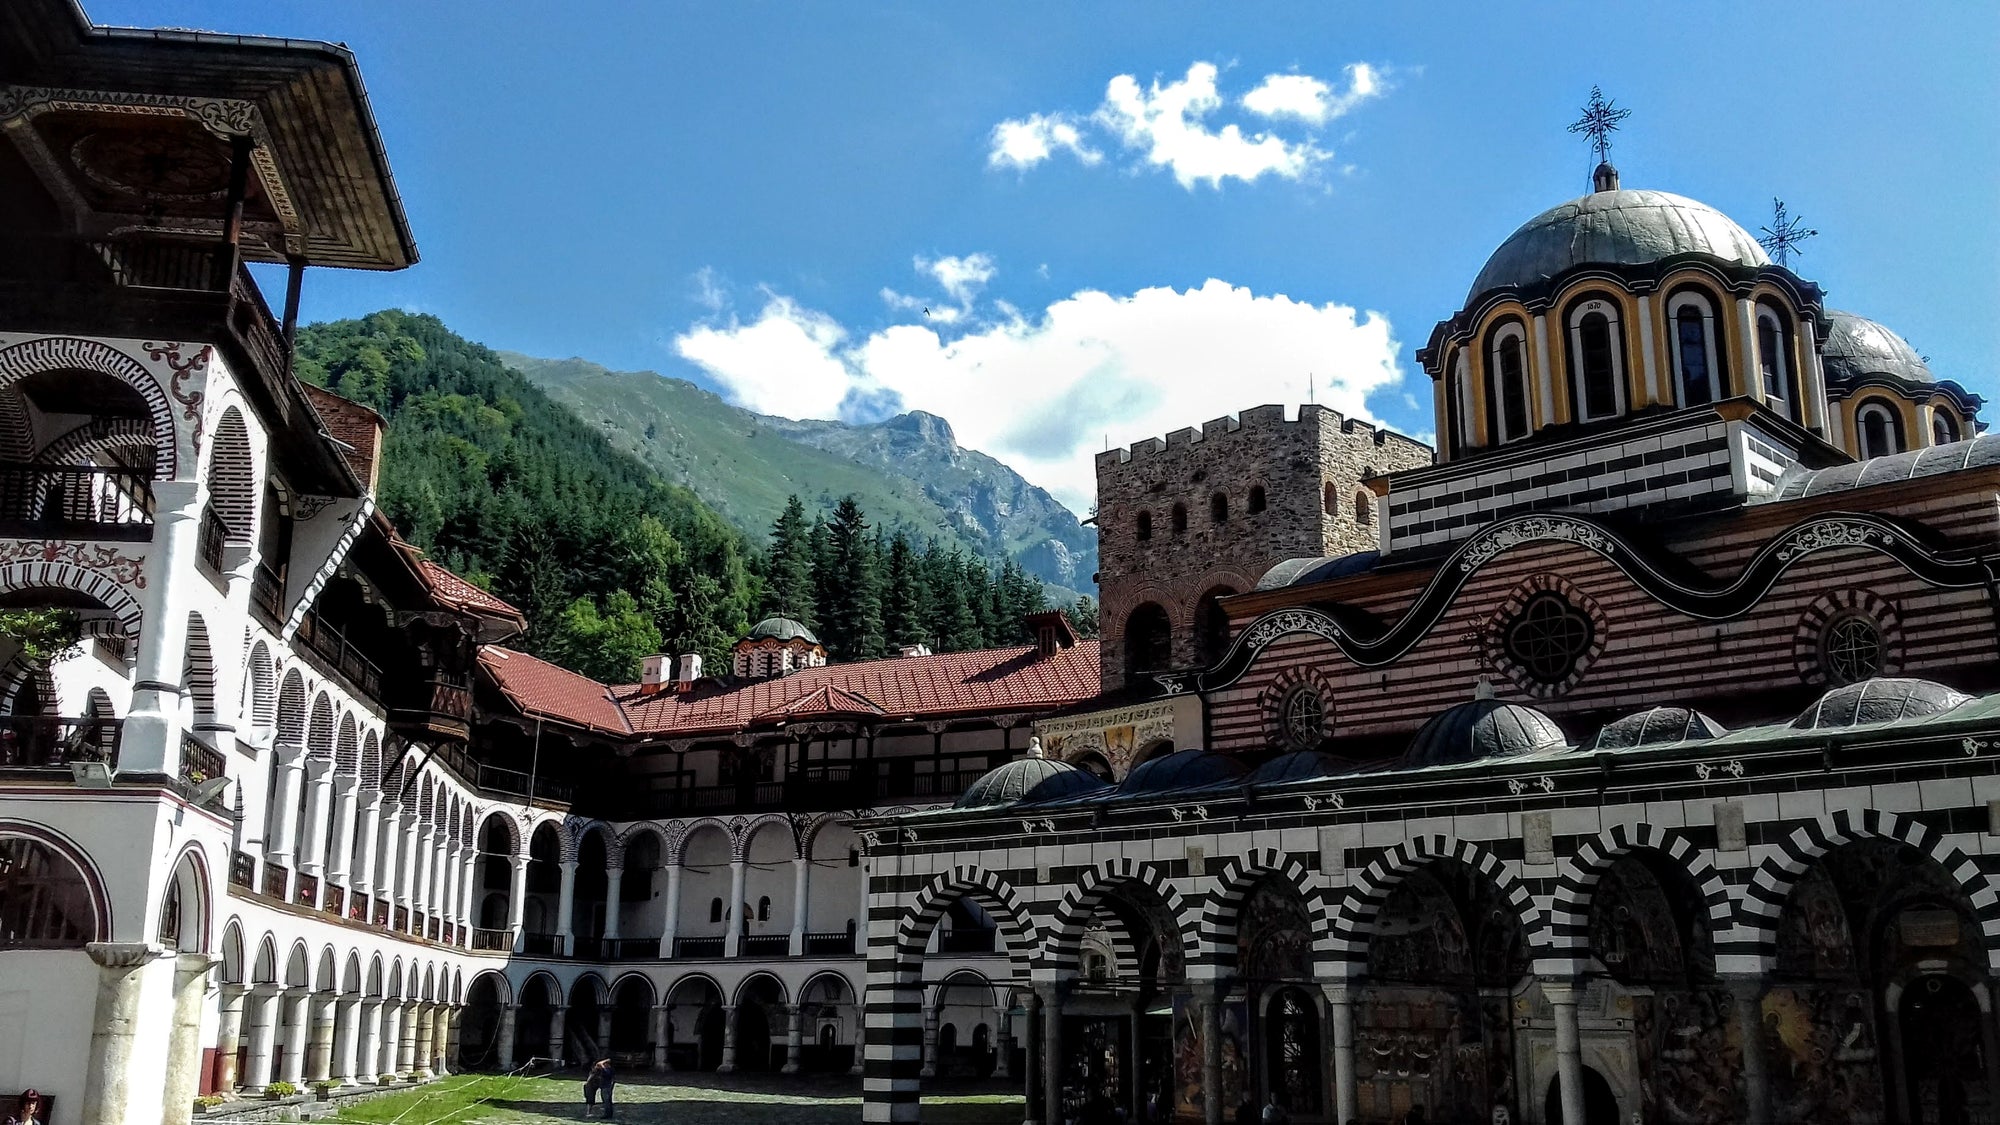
(689, 1100)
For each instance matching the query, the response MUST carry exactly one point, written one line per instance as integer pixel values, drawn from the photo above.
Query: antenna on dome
(1600, 119)
(1782, 238)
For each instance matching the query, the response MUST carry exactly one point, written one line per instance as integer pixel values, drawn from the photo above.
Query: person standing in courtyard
(598, 1081)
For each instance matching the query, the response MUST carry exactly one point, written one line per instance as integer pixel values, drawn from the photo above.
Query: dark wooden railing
(698, 947)
(539, 945)
(243, 870)
(764, 945)
(332, 646)
(492, 940)
(267, 592)
(53, 742)
(76, 501)
(200, 762)
(497, 780)
(822, 945)
(402, 916)
(209, 541)
(631, 948)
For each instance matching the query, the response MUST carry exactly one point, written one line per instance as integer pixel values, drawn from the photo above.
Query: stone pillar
(930, 1041)
(406, 855)
(801, 887)
(1211, 1054)
(1748, 994)
(312, 834)
(504, 1049)
(262, 1013)
(114, 1027)
(1340, 1007)
(291, 767)
(859, 1067)
(319, 1036)
(388, 865)
(662, 1014)
(795, 1039)
(1003, 1039)
(420, 1038)
(728, 1039)
(603, 1030)
(1032, 1061)
(614, 886)
(368, 1042)
(673, 925)
(1569, 1045)
(406, 1042)
(367, 828)
(565, 904)
(517, 898)
(734, 917)
(1052, 1111)
(391, 1037)
(228, 1035)
(337, 867)
(183, 1079)
(557, 1046)
(453, 1019)
(292, 1016)
(151, 742)
(421, 855)
(346, 1037)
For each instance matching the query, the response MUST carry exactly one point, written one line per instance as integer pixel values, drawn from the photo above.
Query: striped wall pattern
(1079, 904)
(233, 478)
(1569, 912)
(1217, 943)
(1345, 945)
(71, 353)
(95, 439)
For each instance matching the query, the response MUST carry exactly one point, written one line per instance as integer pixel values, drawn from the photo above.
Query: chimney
(690, 671)
(653, 672)
(916, 650)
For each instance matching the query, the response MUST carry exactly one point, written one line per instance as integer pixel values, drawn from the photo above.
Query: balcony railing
(200, 762)
(497, 780)
(267, 592)
(492, 941)
(539, 945)
(242, 870)
(52, 742)
(275, 878)
(306, 892)
(333, 646)
(209, 541)
(76, 501)
(698, 947)
(765, 945)
(631, 949)
(823, 945)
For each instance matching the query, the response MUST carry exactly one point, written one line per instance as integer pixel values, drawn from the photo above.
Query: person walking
(598, 1081)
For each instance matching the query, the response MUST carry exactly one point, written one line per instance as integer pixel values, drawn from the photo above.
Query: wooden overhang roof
(321, 187)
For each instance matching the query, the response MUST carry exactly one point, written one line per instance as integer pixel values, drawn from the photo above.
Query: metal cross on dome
(1782, 238)
(1600, 119)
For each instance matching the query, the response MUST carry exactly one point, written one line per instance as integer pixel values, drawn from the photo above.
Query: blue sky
(766, 197)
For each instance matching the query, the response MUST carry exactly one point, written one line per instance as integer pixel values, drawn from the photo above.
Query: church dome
(780, 629)
(1182, 769)
(1614, 228)
(1654, 726)
(1857, 347)
(1880, 700)
(1483, 728)
(1027, 779)
(1299, 765)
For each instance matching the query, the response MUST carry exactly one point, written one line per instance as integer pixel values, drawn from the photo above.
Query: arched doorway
(587, 1025)
(1118, 1026)
(1148, 639)
(1211, 626)
(759, 1011)
(532, 1023)
(1944, 1074)
(1273, 962)
(832, 1030)
(631, 1043)
(694, 1024)
(479, 1027)
(1600, 1105)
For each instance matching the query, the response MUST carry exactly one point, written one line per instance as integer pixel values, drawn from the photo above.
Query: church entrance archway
(1945, 1079)
(1600, 1105)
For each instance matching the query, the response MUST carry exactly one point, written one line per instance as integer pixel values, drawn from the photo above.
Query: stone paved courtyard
(688, 1100)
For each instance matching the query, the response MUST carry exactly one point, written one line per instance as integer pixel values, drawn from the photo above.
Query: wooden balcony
(75, 502)
(55, 743)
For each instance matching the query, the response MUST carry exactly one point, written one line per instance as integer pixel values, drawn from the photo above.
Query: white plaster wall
(47, 999)
(770, 873)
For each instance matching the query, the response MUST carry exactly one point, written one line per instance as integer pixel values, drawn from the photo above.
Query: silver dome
(1614, 228)
(1857, 347)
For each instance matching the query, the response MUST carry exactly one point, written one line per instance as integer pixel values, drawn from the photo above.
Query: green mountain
(909, 473)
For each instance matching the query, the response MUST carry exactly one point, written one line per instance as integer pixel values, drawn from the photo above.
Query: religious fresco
(1094, 1079)
(1113, 735)
(1188, 1047)
(1273, 934)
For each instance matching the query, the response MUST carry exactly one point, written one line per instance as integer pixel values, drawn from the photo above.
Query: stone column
(795, 1039)
(517, 898)
(337, 867)
(346, 1036)
(406, 1042)
(450, 1025)
(603, 1030)
(732, 940)
(504, 1049)
(1052, 1111)
(1748, 995)
(1569, 1045)
(420, 1037)
(312, 834)
(565, 904)
(151, 742)
(368, 1042)
(1003, 1039)
(728, 1039)
(291, 767)
(115, 1024)
(1032, 1061)
(292, 1016)
(183, 1079)
(406, 855)
(1211, 1054)
(859, 1067)
(228, 1035)
(1340, 1007)
(392, 1036)
(468, 889)
(557, 1045)
(420, 875)
(662, 1014)
(388, 865)
(319, 1038)
(367, 828)
(801, 887)
(930, 1041)
(672, 928)
(614, 886)
(262, 1011)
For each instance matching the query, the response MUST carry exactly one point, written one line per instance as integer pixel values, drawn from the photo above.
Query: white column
(1003, 1038)
(368, 826)
(565, 902)
(801, 885)
(261, 1014)
(733, 939)
(795, 1037)
(343, 833)
(319, 1036)
(1346, 1102)
(508, 1014)
(406, 867)
(614, 886)
(386, 1031)
(229, 1036)
(289, 761)
(468, 888)
(346, 1037)
(517, 898)
(367, 1042)
(408, 1013)
(292, 1015)
(387, 863)
(151, 742)
(1569, 1044)
(728, 1040)
(420, 876)
(115, 1028)
(672, 928)
(183, 1077)
(312, 834)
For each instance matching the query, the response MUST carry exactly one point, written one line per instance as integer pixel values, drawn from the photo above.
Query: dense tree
(903, 596)
(788, 567)
(852, 616)
(605, 645)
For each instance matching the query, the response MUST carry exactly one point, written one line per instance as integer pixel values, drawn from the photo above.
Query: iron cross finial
(1600, 119)
(1782, 238)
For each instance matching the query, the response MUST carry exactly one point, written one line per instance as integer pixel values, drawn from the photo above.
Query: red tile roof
(943, 686)
(457, 591)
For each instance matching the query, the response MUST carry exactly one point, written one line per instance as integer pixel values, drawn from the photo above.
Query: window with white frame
(1944, 426)
(1597, 359)
(1697, 372)
(1773, 365)
(1507, 384)
(1880, 431)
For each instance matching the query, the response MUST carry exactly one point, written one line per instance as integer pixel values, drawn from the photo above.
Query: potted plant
(324, 1088)
(385, 1080)
(207, 1102)
(280, 1090)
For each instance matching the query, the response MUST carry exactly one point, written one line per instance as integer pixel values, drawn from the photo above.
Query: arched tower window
(715, 910)
(1148, 639)
(1944, 426)
(1364, 508)
(1329, 499)
(1256, 503)
(1180, 518)
(1697, 372)
(1218, 507)
(1144, 526)
(1507, 385)
(1774, 367)
(1880, 431)
(1457, 392)
(1597, 360)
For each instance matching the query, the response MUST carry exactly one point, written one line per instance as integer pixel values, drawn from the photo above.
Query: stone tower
(1206, 512)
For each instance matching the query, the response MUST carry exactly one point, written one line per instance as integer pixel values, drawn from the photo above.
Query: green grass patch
(466, 1099)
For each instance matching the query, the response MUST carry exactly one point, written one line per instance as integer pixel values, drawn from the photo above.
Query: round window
(1850, 649)
(1548, 637)
(1302, 719)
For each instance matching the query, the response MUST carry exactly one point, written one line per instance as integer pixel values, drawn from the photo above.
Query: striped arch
(198, 671)
(107, 587)
(993, 894)
(688, 830)
(95, 439)
(742, 832)
(69, 353)
(263, 687)
(1079, 904)
(371, 766)
(1569, 914)
(574, 831)
(1764, 899)
(292, 711)
(319, 735)
(347, 748)
(1220, 919)
(1346, 945)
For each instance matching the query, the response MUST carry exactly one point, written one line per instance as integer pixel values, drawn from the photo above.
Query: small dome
(1182, 769)
(1483, 728)
(1654, 726)
(1880, 700)
(1857, 347)
(1027, 779)
(1614, 228)
(1299, 765)
(780, 629)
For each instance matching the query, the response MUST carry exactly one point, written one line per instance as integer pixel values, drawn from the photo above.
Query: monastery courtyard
(478, 1099)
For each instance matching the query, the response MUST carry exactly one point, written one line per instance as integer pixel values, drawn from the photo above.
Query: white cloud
(709, 293)
(1026, 142)
(1042, 391)
(1307, 99)
(961, 278)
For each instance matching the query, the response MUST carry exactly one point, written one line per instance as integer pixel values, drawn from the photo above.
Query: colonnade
(305, 1036)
